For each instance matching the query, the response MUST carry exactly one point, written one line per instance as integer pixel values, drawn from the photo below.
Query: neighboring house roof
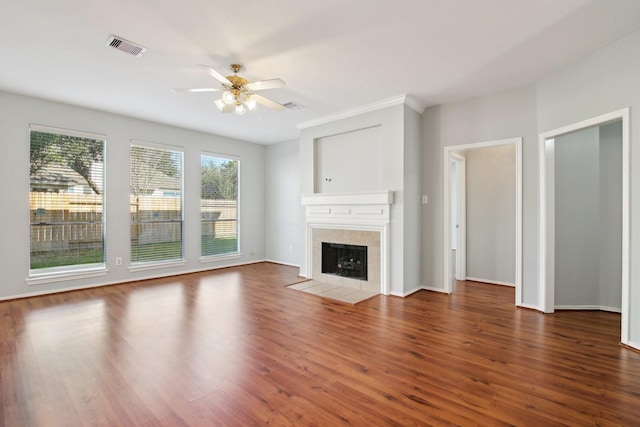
(60, 178)
(55, 179)
(156, 180)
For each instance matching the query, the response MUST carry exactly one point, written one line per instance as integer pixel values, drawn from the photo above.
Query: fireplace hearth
(345, 260)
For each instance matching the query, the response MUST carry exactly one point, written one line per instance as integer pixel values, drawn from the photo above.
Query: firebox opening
(344, 260)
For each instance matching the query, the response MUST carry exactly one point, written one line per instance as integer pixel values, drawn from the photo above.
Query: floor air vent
(126, 46)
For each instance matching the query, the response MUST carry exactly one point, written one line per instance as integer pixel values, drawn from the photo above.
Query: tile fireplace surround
(350, 218)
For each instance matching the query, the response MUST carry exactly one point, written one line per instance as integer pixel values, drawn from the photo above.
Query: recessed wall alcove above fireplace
(357, 219)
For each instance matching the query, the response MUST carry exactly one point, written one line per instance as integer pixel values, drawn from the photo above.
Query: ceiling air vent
(126, 46)
(293, 106)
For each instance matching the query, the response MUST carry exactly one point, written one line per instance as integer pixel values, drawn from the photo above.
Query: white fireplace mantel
(373, 198)
(370, 211)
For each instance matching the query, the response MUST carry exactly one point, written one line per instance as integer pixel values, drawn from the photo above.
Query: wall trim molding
(405, 99)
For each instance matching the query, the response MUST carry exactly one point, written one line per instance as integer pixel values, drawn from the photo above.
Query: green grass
(59, 258)
(141, 253)
(218, 246)
(172, 250)
(156, 252)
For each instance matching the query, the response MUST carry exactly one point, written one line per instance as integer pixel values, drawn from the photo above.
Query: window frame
(238, 252)
(72, 271)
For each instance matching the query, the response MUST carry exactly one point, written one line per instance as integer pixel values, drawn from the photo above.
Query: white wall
(610, 289)
(577, 218)
(602, 82)
(17, 112)
(400, 151)
(283, 209)
(491, 213)
(588, 205)
(503, 115)
(412, 199)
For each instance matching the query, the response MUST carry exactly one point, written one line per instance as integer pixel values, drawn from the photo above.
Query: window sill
(215, 258)
(61, 276)
(156, 265)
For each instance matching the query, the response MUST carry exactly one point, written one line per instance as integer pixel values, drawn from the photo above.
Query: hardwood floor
(235, 347)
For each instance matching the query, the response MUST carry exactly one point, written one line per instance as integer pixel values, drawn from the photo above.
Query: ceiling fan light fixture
(238, 94)
(251, 104)
(225, 108)
(228, 98)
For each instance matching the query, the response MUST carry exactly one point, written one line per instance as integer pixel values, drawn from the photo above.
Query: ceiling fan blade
(196, 89)
(266, 84)
(267, 102)
(216, 75)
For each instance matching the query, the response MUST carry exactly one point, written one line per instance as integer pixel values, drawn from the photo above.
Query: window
(219, 205)
(156, 204)
(66, 197)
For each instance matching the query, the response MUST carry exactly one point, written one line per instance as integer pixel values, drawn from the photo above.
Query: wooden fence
(61, 221)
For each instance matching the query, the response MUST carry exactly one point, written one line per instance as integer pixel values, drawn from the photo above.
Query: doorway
(455, 157)
(554, 254)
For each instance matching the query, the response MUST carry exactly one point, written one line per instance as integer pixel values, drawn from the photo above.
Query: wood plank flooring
(236, 347)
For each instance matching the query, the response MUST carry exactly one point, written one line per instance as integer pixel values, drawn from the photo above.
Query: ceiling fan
(238, 94)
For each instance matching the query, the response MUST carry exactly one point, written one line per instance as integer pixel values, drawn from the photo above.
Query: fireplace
(349, 220)
(344, 260)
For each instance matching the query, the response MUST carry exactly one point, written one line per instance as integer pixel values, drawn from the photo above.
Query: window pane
(156, 204)
(219, 205)
(66, 200)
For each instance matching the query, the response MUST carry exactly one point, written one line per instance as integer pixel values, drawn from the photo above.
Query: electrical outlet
(119, 260)
(425, 199)
(254, 252)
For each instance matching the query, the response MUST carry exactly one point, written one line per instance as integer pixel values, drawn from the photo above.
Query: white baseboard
(432, 289)
(588, 307)
(281, 263)
(633, 345)
(422, 288)
(611, 309)
(129, 280)
(405, 294)
(530, 307)
(491, 282)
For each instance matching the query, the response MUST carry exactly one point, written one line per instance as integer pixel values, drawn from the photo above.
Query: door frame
(461, 214)
(546, 212)
(448, 157)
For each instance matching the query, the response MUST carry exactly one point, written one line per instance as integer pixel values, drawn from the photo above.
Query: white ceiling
(335, 55)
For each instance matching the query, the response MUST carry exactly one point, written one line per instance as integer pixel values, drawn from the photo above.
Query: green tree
(148, 167)
(41, 153)
(78, 154)
(219, 180)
